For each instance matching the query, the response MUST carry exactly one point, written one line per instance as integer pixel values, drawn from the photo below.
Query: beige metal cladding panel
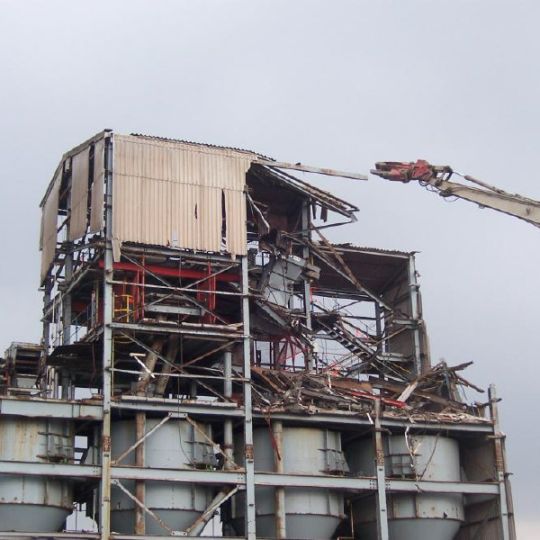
(195, 213)
(127, 204)
(79, 194)
(155, 218)
(235, 210)
(209, 219)
(96, 195)
(168, 193)
(49, 220)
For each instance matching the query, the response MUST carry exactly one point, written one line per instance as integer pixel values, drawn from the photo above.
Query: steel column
(415, 315)
(498, 437)
(249, 461)
(65, 381)
(45, 340)
(281, 525)
(108, 350)
(382, 513)
(309, 361)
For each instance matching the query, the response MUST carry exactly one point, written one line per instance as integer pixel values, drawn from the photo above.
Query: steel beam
(201, 333)
(196, 476)
(49, 408)
(310, 169)
(77, 472)
(95, 536)
(370, 484)
(214, 409)
(81, 410)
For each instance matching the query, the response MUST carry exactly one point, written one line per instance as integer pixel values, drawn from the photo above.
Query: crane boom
(483, 194)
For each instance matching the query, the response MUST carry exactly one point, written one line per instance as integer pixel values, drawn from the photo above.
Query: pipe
(140, 489)
(227, 425)
(281, 529)
(198, 526)
(172, 352)
(150, 363)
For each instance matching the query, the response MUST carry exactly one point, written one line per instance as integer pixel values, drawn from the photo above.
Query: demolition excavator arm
(438, 177)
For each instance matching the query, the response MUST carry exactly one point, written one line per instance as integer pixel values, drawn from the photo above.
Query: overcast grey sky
(332, 83)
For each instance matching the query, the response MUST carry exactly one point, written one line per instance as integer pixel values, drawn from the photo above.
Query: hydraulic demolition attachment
(438, 178)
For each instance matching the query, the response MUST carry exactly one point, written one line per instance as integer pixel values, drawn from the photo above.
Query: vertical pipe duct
(228, 426)
(281, 531)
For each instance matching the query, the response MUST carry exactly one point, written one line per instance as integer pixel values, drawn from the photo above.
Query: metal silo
(177, 444)
(34, 503)
(309, 513)
(411, 516)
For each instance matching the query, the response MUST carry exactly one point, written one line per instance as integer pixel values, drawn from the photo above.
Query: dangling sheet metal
(49, 218)
(79, 194)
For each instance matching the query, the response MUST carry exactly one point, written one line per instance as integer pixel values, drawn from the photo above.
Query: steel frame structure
(118, 332)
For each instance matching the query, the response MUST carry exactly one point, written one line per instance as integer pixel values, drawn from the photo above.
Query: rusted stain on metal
(249, 452)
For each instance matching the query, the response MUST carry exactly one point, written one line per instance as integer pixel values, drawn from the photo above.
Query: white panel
(79, 194)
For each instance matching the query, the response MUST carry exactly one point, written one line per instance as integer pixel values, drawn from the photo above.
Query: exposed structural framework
(210, 361)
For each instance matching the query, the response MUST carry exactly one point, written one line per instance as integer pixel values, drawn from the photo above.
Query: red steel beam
(187, 273)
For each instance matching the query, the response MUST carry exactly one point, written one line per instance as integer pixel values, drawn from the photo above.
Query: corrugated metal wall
(96, 194)
(49, 220)
(79, 194)
(171, 193)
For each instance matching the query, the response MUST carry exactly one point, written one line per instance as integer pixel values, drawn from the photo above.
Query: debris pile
(434, 396)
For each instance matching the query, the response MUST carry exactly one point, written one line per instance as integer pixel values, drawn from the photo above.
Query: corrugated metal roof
(279, 175)
(352, 247)
(375, 268)
(194, 143)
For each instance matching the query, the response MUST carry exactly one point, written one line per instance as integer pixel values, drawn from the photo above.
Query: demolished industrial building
(208, 355)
